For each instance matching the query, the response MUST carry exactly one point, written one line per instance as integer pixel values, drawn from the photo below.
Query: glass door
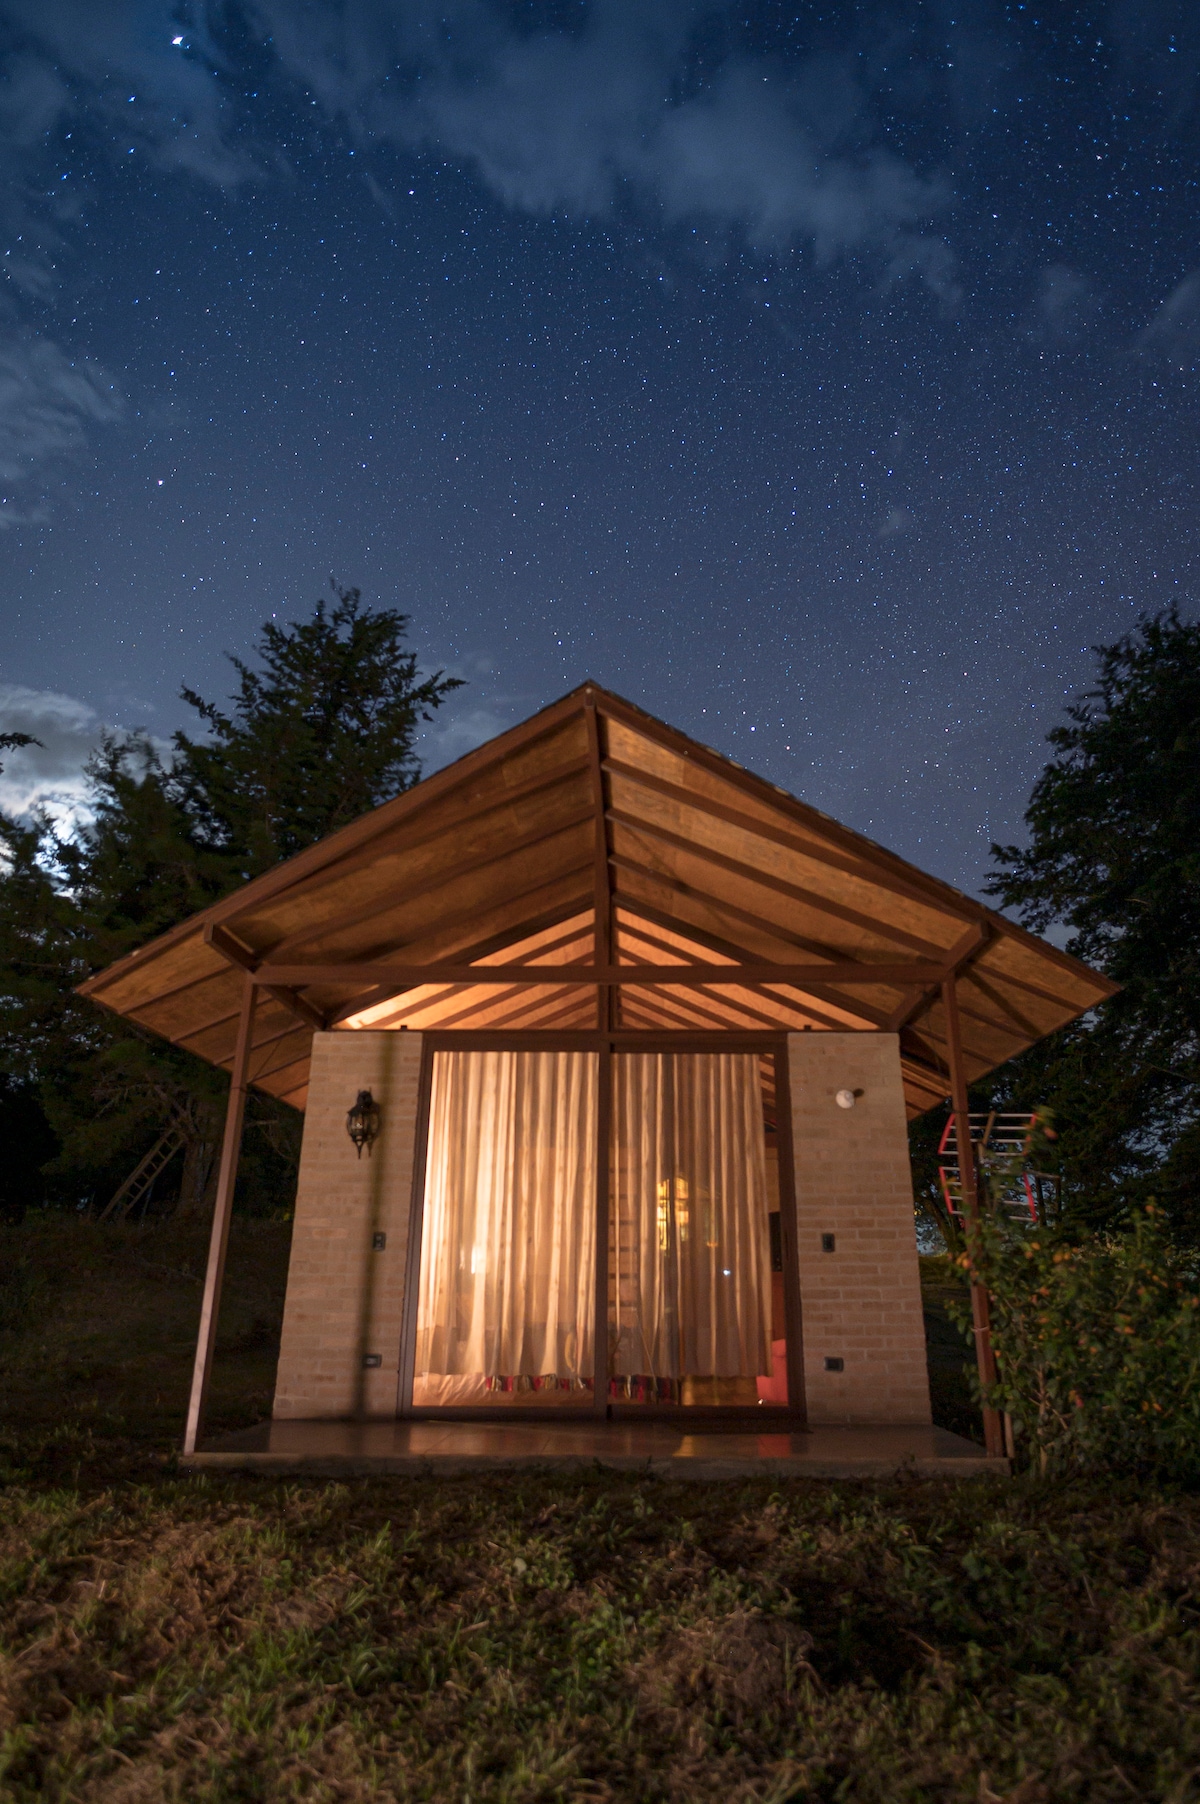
(695, 1316)
(506, 1302)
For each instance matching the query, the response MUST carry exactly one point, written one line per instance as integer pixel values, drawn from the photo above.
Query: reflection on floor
(339, 1448)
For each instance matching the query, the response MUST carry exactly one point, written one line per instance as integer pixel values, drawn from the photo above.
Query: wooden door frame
(732, 1417)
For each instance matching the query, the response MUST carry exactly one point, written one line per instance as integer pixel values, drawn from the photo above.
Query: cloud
(588, 121)
(32, 96)
(1174, 332)
(49, 775)
(120, 67)
(763, 158)
(48, 400)
(580, 121)
(458, 730)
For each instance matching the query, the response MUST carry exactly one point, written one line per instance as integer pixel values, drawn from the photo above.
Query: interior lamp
(362, 1122)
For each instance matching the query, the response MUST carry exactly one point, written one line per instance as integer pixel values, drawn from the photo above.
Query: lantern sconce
(362, 1122)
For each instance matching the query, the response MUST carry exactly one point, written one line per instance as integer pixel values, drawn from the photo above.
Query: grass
(535, 1637)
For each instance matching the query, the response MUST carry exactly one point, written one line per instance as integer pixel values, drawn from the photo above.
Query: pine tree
(322, 728)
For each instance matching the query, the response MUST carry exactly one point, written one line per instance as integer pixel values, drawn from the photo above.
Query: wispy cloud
(1174, 331)
(588, 121)
(48, 402)
(582, 120)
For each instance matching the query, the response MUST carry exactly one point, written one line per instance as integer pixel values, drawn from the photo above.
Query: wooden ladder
(142, 1176)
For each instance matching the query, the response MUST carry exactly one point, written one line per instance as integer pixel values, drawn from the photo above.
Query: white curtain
(508, 1243)
(690, 1260)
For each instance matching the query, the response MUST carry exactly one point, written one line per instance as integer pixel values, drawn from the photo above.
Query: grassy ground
(164, 1636)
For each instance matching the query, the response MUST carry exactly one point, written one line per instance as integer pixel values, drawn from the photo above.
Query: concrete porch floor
(338, 1449)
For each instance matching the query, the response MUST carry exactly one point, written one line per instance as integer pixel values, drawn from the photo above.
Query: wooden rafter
(846, 1016)
(795, 892)
(790, 840)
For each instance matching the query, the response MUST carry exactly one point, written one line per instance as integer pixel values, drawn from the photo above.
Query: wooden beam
(231, 1146)
(521, 792)
(851, 866)
(641, 910)
(445, 938)
(242, 958)
(1002, 1003)
(993, 1432)
(795, 892)
(386, 992)
(712, 942)
(637, 934)
(704, 900)
(849, 971)
(964, 948)
(602, 877)
(397, 896)
(703, 757)
(332, 852)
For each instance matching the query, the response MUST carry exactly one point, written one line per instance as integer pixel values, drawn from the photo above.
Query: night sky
(821, 378)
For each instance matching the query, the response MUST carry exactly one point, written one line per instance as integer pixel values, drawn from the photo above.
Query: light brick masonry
(344, 1299)
(861, 1303)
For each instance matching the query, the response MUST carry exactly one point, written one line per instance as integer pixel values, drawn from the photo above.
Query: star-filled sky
(820, 377)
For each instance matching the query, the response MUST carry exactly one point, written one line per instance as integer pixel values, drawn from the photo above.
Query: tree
(322, 729)
(1114, 854)
(320, 733)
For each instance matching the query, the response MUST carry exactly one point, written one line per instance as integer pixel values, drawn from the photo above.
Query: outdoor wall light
(846, 1099)
(362, 1122)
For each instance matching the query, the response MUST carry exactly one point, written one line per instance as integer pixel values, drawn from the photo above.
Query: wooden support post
(606, 1004)
(230, 1151)
(993, 1431)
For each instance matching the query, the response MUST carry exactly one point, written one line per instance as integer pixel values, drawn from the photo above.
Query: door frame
(792, 1415)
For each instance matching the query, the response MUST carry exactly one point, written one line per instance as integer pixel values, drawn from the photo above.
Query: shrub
(1097, 1345)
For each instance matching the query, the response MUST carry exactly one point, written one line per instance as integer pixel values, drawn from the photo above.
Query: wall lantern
(362, 1122)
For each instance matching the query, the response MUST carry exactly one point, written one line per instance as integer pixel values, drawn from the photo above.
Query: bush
(1097, 1346)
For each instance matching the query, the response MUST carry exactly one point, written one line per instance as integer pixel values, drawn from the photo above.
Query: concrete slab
(340, 1449)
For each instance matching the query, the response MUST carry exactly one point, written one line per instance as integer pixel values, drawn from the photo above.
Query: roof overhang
(595, 867)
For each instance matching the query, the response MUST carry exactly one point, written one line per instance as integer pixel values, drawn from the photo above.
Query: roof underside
(594, 836)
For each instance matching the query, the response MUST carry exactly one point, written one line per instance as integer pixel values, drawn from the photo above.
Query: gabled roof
(595, 836)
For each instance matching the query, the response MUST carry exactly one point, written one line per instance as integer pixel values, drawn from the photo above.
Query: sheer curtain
(508, 1244)
(690, 1260)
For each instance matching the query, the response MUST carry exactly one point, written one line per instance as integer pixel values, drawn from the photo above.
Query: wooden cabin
(628, 1040)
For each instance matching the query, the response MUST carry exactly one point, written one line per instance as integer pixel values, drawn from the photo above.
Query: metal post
(230, 1151)
(993, 1430)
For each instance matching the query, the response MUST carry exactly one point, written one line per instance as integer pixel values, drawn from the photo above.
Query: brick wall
(862, 1302)
(344, 1299)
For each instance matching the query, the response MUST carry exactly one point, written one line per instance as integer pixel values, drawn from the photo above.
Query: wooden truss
(595, 868)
